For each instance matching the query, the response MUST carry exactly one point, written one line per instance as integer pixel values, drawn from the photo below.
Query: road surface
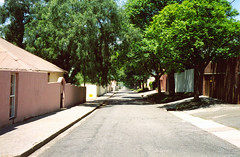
(127, 126)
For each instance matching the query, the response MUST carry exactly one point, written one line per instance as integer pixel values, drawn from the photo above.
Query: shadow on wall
(35, 96)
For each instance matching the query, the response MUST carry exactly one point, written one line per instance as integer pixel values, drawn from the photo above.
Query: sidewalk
(221, 120)
(23, 138)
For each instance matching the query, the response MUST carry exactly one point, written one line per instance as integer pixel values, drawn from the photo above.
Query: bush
(151, 85)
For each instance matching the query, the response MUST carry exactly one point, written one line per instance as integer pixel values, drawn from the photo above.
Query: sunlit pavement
(129, 126)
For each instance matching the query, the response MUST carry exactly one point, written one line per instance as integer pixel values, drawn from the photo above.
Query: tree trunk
(84, 80)
(143, 85)
(236, 98)
(158, 84)
(171, 83)
(198, 82)
(140, 84)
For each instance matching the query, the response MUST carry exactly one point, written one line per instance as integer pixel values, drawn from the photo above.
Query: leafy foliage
(196, 32)
(97, 41)
(79, 36)
(143, 51)
(129, 64)
(141, 12)
(14, 14)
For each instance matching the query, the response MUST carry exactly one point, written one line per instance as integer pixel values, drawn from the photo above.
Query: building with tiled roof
(13, 58)
(31, 86)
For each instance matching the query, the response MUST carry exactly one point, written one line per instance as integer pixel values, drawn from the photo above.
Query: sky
(236, 5)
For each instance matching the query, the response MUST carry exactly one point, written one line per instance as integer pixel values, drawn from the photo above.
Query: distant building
(162, 81)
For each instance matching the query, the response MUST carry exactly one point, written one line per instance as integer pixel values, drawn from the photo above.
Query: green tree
(141, 12)
(49, 35)
(196, 32)
(109, 23)
(154, 63)
(14, 14)
(129, 65)
(79, 36)
(137, 58)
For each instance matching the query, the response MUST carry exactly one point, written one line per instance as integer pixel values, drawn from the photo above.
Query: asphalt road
(127, 127)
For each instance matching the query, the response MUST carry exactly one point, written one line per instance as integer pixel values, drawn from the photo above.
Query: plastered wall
(35, 96)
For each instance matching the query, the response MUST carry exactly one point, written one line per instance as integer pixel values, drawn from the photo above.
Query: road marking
(226, 133)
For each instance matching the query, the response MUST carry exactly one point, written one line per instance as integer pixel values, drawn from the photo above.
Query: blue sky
(121, 2)
(236, 5)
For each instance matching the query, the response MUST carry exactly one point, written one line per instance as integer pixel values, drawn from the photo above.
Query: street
(128, 126)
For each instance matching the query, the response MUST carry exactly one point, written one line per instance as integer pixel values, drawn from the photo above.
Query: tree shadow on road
(189, 104)
(130, 101)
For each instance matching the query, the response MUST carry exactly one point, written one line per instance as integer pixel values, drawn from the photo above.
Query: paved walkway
(23, 138)
(221, 120)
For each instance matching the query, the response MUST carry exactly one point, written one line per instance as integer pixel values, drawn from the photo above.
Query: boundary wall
(93, 91)
(35, 96)
(184, 81)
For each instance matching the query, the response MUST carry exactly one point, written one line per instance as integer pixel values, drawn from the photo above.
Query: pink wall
(35, 96)
(4, 97)
(74, 95)
(163, 81)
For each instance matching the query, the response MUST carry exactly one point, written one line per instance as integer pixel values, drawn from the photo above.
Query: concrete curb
(42, 143)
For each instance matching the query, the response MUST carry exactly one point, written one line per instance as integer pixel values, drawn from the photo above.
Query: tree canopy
(97, 41)
(79, 36)
(141, 12)
(196, 32)
(14, 14)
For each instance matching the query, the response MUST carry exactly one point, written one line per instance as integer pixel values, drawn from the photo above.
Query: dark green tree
(196, 32)
(78, 36)
(141, 12)
(14, 15)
